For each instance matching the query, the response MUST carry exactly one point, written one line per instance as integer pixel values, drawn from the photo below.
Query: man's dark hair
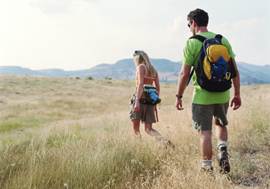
(199, 16)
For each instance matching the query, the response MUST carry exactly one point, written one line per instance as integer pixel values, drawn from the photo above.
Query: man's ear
(194, 23)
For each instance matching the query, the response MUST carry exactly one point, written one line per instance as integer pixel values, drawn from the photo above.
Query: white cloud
(240, 26)
(248, 24)
(58, 6)
(91, 1)
(244, 28)
(177, 27)
(51, 6)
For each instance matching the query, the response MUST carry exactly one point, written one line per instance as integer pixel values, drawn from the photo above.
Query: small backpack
(150, 95)
(215, 67)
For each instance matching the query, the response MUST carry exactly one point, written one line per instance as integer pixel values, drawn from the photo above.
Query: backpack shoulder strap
(219, 36)
(190, 75)
(199, 37)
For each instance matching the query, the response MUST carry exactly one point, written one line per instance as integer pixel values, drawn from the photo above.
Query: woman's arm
(157, 83)
(141, 72)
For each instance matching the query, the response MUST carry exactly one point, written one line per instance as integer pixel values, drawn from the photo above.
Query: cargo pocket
(132, 104)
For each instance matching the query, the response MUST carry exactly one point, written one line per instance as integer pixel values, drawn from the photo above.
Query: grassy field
(76, 133)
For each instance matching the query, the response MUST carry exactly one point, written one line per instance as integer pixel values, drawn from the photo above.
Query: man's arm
(236, 100)
(182, 83)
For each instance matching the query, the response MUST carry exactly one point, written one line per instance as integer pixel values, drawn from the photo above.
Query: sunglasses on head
(136, 53)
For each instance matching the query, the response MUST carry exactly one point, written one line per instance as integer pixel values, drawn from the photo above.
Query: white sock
(221, 143)
(207, 163)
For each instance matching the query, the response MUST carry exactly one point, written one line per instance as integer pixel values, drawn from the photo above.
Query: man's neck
(201, 29)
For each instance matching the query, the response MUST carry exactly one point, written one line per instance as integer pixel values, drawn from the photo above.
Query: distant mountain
(125, 69)
(252, 74)
(17, 70)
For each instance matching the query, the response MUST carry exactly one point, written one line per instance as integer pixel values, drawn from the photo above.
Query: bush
(90, 78)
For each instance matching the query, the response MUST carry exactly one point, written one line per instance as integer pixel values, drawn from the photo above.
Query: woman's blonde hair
(142, 58)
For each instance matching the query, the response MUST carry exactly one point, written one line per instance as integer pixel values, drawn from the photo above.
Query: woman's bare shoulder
(141, 68)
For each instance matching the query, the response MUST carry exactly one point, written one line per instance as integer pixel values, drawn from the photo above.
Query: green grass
(22, 123)
(10, 126)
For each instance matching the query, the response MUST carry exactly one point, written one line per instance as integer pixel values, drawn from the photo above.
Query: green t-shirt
(191, 53)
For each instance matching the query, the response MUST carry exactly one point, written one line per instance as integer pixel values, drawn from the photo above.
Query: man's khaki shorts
(146, 113)
(202, 115)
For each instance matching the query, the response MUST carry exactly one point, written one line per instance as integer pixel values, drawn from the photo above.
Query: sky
(80, 34)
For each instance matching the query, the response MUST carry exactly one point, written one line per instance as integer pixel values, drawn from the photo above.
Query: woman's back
(147, 77)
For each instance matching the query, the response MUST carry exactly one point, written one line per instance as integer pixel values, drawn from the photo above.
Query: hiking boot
(208, 171)
(222, 157)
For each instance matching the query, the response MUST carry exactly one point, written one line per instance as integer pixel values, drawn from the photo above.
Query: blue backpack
(150, 95)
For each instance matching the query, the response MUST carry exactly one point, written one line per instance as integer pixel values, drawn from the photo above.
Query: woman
(146, 74)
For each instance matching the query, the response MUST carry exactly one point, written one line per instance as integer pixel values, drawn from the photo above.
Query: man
(207, 105)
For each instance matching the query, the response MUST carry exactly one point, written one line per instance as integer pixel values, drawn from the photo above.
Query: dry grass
(75, 133)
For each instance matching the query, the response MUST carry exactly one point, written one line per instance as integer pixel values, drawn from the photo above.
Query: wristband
(178, 96)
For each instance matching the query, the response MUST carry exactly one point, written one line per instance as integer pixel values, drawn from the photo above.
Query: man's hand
(236, 102)
(137, 106)
(178, 104)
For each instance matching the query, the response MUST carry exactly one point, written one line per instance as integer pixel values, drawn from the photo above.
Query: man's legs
(220, 118)
(206, 149)
(205, 144)
(221, 132)
(222, 156)
(202, 116)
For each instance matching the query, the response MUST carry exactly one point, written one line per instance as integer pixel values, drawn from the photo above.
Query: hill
(125, 69)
